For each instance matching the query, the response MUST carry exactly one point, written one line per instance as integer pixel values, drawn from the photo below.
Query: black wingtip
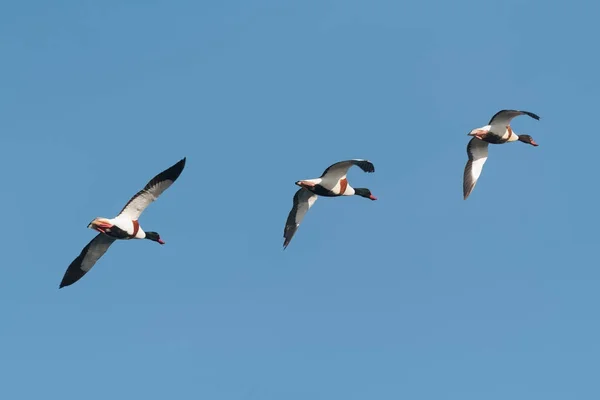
(367, 166)
(287, 241)
(173, 172)
(72, 275)
(181, 163)
(66, 282)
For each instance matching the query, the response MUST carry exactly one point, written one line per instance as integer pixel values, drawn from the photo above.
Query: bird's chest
(499, 135)
(125, 230)
(494, 139)
(117, 233)
(340, 188)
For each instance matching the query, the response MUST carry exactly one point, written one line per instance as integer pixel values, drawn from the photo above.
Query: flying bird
(497, 131)
(332, 183)
(124, 226)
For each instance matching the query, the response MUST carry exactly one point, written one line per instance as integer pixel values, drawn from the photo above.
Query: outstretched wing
(478, 154)
(504, 117)
(86, 260)
(339, 170)
(142, 199)
(303, 201)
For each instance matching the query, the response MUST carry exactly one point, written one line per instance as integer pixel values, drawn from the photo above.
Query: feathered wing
(86, 260)
(504, 117)
(303, 201)
(478, 154)
(161, 182)
(339, 170)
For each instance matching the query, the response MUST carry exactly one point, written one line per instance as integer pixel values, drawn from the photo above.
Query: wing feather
(478, 154)
(157, 185)
(338, 170)
(303, 201)
(86, 259)
(503, 117)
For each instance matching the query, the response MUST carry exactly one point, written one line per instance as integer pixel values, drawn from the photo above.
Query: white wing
(478, 154)
(86, 260)
(339, 170)
(161, 182)
(303, 201)
(502, 118)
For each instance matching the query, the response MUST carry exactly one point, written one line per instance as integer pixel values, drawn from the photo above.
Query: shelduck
(497, 131)
(124, 226)
(332, 183)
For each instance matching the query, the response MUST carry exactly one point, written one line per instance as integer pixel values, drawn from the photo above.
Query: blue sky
(420, 295)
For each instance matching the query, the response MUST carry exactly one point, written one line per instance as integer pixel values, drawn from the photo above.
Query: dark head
(527, 139)
(155, 237)
(364, 193)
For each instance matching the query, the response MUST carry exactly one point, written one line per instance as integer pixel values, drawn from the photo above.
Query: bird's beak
(372, 197)
(161, 241)
(533, 143)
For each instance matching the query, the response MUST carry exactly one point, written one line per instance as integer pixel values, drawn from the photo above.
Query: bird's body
(497, 131)
(124, 226)
(120, 227)
(332, 183)
(316, 186)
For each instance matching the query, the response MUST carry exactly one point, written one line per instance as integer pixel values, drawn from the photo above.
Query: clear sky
(419, 295)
